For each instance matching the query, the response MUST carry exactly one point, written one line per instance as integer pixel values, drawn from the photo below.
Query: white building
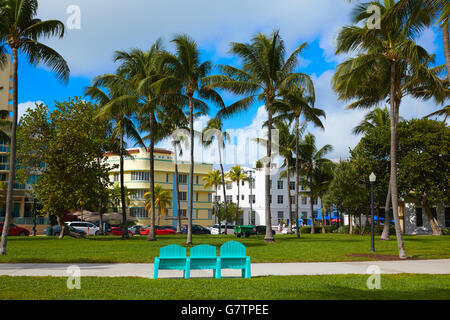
(279, 198)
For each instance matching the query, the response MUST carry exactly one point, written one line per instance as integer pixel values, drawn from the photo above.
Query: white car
(215, 229)
(90, 228)
(285, 230)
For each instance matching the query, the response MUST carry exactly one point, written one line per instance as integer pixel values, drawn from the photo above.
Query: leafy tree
(21, 31)
(213, 180)
(233, 213)
(265, 75)
(424, 175)
(67, 141)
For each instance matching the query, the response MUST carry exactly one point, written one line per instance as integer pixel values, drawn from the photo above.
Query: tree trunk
(239, 196)
(269, 235)
(152, 234)
(445, 39)
(437, 231)
(323, 220)
(350, 219)
(289, 196)
(385, 235)
(191, 175)
(297, 178)
(177, 189)
(122, 190)
(394, 191)
(311, 205)
(12, 156)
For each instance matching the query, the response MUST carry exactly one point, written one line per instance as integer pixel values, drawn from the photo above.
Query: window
(315, 202)
(183, 196)
(237, 198)
(447, 217)
(243, 183)
(138, 194)
(280, 200)
(139, 212)
(315, 214)
(292, 200)
(304, 201)
(270, 184)
(116, 177)
(252, 183)
(229, 186)
(196, 196)
(210, 197)
(292, 185)
(182, 212)
(419, 219)
(280, 216)
(182, 178)
(242, 197)
(252, 199)
(218, 198)
(140, 176)
(270, 199)
(196, 180)
(229, 199)
(280, 184)
(253, 217)
(167, 177)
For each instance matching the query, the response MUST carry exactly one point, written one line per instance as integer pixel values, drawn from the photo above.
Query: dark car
(261, 230)
(15, 230)
(196, 229)
(57, 230)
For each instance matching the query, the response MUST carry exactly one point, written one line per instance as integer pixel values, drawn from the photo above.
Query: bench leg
(248, 273)
(243, 272)
(155, 269)
(187, 270)
(217, 271)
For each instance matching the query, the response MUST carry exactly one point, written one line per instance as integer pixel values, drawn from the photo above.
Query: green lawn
(339, 287)
(287, 248)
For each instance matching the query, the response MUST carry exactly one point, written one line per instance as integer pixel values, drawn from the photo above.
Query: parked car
(56, 230)
(159, 231)
(15, 230)
(215, 229)
(117, 231)
(196, 229)
(285, 230)
(171, 228)
(135, 229)
(90, 228)
(247, 231)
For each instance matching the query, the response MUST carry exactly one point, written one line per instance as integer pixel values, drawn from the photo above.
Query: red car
(15, 230)
(159, 231)
(117, 231)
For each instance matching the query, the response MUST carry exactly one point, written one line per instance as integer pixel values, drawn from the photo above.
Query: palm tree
(21, 31)
(122, 125)
(162, 200)
(237, 174)
(389, 65)
(213, 179)
(264, 76)
(137, 72)
(214, 129)
(295, 104)
(115, 196)
(183, 85)
(312, 161)
(443, 112)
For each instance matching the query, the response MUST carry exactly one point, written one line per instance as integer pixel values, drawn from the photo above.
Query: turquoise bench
(232, 256)
(171, 257)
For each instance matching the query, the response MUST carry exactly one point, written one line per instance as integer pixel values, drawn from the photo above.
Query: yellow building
(136, 179)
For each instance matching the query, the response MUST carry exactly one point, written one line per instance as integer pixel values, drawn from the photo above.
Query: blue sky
(108, 25)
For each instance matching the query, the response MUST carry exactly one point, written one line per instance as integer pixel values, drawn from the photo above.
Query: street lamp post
(372, 179)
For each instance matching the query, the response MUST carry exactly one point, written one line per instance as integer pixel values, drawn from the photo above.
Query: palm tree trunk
(122, 190)
(350, 219)
(445, 39)
(385, 235)
(223, 187)
(394, 189)
(177, 189)
(311, 205)
(289, 196)
(239, 195)
(269, 235)
(152, 235)
(12, 155)
(297, 178)
(323, 220)
(191, 175)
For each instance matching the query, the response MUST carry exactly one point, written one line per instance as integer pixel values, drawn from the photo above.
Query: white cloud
(23, 107)
(109, 25)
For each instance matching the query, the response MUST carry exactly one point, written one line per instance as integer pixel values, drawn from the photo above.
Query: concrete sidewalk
(258, 269)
